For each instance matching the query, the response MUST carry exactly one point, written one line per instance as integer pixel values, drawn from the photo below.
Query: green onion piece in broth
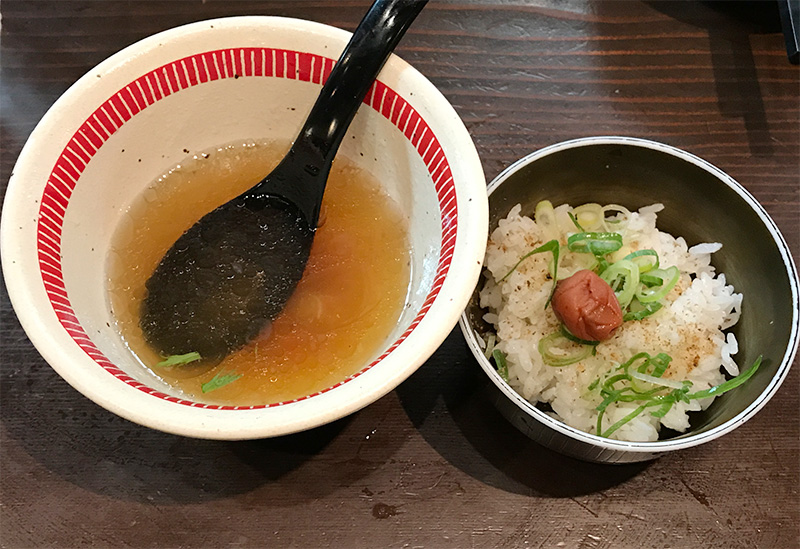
(219, 380)
(179, 360)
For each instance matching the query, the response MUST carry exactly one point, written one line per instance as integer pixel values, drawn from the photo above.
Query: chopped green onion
(219, 380)
(670, 275)
(665, 407)
(575, 222)
(557, 350)
(551, 246)
(623, 277)
(594, 243)
(491, 340)
(661, 362)
(500, 362)
(644, 357)
(641, 311)
(635, 396)
(179, 360)
(671, 383)
(589, 217)
(608, 385)
(619, 423)
(645, 265)
(650, 280)
(615, 224)
(651, 398)
(566, 333)
(545, 216)
(728, 385)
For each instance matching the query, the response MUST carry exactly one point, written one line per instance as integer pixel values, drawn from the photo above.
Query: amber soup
(351, 295)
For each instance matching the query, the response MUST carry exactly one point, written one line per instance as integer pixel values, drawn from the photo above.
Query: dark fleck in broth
(350, 297)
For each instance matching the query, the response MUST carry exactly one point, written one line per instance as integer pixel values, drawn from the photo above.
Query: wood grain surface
(431, 464)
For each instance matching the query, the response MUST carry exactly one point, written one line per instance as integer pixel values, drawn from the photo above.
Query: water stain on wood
(383, 511)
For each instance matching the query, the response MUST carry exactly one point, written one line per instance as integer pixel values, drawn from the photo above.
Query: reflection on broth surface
(350, 297)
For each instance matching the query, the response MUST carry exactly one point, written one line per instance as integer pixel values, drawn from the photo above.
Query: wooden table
(431, 464)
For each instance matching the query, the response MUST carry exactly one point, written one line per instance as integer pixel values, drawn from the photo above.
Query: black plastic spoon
(233, 271)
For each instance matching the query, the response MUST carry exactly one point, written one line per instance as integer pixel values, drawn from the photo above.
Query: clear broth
(351, 295)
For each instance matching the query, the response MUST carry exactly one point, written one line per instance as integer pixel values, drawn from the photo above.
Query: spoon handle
(313, 151)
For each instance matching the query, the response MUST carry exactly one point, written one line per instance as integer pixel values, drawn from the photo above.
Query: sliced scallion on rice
(588, 217)
(566, 333)
(640, 257)
(491, 341)
(615, 217)
(545, 216)
(500, 362)
(575, 222)
(650, 280)
(551, 246)
(653, 380)
(657, 396)
(638, 311)
(594, 243)
(728, 385)
(670, 277)
(558, 351)
(623, 277)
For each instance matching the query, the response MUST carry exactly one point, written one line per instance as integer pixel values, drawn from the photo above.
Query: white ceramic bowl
(204, 85)
(702, 204)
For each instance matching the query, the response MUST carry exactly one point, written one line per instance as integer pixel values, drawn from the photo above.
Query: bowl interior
(700, 207)
(217, 113)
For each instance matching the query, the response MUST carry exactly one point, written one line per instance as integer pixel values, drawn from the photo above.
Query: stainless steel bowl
(702, 204)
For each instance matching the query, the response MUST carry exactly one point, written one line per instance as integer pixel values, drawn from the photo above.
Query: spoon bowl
(225, 278)
(233, 271)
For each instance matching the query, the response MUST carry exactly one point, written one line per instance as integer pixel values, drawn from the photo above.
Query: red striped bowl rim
(192, 71)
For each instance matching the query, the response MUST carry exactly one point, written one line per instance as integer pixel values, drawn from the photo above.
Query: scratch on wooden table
(629, 515)
(586, 507)
(700, 497)
(438, 480)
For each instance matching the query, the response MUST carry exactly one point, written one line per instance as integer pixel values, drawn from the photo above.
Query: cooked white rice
(689, 327)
